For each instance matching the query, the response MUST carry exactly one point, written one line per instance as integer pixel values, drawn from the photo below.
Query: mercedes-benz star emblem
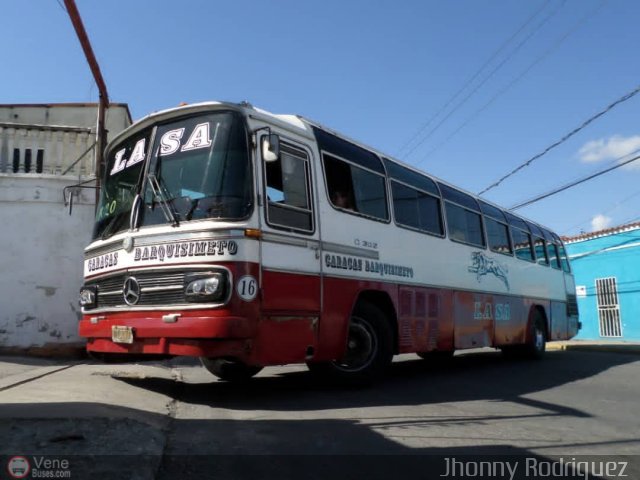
(131, 291)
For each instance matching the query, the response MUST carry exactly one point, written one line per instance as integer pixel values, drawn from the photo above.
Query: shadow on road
(114, 444)
(483, 376)
(153, 445)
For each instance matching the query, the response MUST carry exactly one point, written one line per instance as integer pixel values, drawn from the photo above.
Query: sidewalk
(611, 346)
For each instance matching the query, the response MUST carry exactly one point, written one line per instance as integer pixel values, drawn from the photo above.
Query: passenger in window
(342, 199)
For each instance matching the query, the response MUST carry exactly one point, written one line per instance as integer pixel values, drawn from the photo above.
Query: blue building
(606, 265)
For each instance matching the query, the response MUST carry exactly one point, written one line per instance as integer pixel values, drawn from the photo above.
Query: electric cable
(505, 89)
(471, 79)
(574, 183)
(566, 137)
(477, 87)
(608, 210)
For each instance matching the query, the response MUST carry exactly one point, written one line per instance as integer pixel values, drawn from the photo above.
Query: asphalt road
(570, 403)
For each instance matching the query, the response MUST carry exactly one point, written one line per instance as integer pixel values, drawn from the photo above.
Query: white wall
(41, 260)
(77, 115)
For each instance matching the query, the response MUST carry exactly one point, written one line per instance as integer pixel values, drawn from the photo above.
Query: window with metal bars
(608, 307)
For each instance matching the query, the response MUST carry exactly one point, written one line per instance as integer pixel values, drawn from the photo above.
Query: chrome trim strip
(161, 289)
(288, 240)
(111, 292)
(325, 246)
(151, 308)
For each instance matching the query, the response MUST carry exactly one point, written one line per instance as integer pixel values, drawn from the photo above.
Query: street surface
(570, 403)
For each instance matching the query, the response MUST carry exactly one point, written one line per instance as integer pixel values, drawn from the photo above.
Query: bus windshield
(199, 169)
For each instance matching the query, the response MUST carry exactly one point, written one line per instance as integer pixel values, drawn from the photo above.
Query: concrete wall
(77, 115)
(41, 261)
(615, 255)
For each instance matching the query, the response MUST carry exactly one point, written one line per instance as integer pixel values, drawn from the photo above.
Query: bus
(251, 239)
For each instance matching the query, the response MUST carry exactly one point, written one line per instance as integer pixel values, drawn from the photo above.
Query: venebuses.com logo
(18, 467)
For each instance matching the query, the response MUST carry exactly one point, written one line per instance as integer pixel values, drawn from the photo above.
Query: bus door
(290, 252)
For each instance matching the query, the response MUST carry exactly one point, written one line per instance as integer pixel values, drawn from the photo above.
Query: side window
(464, 225)
(498, 236)
(554, 259)
(416, 209)
(287, 191)
(522, 244)
(563, 259)
(355, 189)
(541, 251)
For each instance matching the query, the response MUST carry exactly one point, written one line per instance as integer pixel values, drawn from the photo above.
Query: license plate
(121, 334)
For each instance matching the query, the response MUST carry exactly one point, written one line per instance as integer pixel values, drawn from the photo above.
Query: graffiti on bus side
(482, 265)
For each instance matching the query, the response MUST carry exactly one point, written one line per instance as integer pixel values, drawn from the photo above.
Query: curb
(599, 347)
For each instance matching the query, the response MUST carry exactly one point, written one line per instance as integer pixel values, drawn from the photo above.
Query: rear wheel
(369, 349)
(536, 346)
(229, 369)
(536, 341)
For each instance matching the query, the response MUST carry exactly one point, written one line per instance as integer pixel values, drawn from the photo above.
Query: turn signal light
(252, 232)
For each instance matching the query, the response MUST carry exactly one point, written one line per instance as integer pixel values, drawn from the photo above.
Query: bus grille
(156, 289)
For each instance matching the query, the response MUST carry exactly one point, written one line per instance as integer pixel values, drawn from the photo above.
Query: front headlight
(206, 287)
(88, 296)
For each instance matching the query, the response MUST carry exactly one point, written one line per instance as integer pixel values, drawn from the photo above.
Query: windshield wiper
(159, 193)
(110, 229)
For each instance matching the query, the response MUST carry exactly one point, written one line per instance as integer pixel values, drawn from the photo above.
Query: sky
(465, 90)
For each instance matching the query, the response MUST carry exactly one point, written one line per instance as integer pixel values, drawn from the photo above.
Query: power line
(584, 124)
(485, 79)
(574, 183)
(608, 210)
(508, 87)
(471, 79)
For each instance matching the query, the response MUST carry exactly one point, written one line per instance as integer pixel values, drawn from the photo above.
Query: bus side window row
(358, 185)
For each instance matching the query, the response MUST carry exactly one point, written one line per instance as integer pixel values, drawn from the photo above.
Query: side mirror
(271, 147)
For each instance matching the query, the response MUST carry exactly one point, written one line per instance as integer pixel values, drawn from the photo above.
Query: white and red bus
(250, 239)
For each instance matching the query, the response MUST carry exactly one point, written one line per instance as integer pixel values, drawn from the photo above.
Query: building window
(40, 161)
(608, 307)
(27, 160)
(16, 160)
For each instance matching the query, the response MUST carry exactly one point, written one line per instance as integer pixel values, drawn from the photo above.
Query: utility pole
(101, 134)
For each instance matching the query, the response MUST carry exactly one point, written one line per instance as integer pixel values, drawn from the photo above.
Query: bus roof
(300, 124)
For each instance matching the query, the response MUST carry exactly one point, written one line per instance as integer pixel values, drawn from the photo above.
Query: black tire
(536, 341)
(229, 370)
(369, 349)
(437, 355)
(536, 346)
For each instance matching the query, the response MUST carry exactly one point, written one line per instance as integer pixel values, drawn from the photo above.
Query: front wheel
(229, 370)
(369, 349)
